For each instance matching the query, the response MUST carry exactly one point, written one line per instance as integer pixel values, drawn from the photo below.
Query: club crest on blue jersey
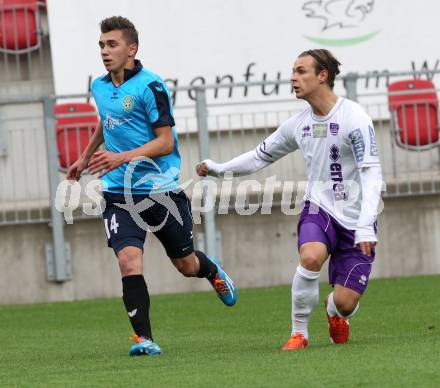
(128, 103)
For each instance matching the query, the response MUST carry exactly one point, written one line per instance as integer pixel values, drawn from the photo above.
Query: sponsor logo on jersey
(128, 103)
(373, 147)
(319, 130)
(336, 174)
(334, 153)
(306, 131)
(358, 144)
(334, 128)
(264, 151)
(110, 123)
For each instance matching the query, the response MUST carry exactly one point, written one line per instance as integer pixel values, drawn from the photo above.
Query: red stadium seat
(19, 27)
(75, 124)
(414, 113)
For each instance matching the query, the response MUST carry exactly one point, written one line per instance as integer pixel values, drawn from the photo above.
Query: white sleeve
(371, 186)
(274, 147)
(363, 142)
(243, 164)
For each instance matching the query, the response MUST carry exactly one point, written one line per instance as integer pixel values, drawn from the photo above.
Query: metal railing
(24, 192)
(30, 170)
(24, 43)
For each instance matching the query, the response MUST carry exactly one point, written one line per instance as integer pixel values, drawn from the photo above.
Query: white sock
(332, 310)
(351, 315)
(331, 307)
(305, 294)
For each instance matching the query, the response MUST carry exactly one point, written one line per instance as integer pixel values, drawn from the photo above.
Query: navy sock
(207, 268)
(137, 303)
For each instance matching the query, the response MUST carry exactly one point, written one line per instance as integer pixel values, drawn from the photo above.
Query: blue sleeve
(158, 105)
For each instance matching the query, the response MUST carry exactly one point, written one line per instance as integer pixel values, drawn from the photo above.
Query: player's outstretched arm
(75, 170)
(277, 145)
(243, 164)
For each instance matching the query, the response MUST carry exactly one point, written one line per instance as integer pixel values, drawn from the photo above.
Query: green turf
(395, 342)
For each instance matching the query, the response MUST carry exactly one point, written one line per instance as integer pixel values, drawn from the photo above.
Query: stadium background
(185, 42)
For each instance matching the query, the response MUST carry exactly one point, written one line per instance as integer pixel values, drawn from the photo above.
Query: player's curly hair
(122, 24)
(324, 60)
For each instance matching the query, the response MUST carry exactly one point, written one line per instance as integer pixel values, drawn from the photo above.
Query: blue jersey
(129, 114)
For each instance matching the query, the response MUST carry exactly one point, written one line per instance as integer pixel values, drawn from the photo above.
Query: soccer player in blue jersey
(140, 175)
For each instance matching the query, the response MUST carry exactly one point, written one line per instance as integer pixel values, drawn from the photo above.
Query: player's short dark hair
(122, 24)
(324, 60)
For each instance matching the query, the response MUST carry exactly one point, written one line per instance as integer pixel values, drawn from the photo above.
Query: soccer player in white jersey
(337, 140)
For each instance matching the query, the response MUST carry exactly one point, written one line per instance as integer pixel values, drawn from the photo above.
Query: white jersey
(334, 147)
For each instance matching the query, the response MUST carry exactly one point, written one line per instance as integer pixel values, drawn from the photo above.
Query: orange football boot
(296, 341)
(338, 327)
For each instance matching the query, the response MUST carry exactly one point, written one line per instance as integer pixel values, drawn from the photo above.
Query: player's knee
(310, 261)
(345, 307)
(346, 300)
(127, 266)
(130, 261)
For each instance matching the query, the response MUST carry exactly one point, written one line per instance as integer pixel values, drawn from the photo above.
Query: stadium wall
(257, 251)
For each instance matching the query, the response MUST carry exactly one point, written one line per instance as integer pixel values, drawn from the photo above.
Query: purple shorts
(348, 266)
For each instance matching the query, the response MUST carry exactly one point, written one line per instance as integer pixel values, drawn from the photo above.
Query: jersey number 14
(113, 226)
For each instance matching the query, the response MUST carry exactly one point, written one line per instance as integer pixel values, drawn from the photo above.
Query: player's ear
(323, 76)
(132, 49)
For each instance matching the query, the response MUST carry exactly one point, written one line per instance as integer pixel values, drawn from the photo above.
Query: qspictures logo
(344, 22)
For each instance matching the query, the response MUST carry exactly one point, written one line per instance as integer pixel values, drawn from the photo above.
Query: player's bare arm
(75, 170)
(106, 161)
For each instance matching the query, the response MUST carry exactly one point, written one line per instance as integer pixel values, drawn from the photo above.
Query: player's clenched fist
(201, 169)
(208, 167)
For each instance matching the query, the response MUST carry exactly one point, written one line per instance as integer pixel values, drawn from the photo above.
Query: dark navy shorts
(348, 266)
(167, 215)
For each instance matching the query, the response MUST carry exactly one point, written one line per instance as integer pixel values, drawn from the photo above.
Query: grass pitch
(395, 342)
